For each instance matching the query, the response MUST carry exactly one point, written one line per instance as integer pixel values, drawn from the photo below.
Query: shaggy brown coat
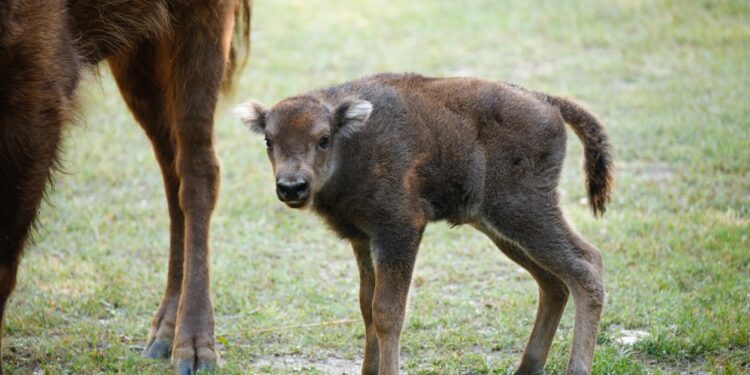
(381, 157)
(169, 58)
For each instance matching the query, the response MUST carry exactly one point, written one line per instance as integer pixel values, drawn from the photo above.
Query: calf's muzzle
(293, 190)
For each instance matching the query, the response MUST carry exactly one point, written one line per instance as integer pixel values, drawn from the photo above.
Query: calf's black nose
(292, 188)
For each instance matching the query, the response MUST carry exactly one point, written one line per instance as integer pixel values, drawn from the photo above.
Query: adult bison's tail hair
(598, 164)
(240, 49)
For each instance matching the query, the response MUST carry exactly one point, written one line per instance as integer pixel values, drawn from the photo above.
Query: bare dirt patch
(296, 363)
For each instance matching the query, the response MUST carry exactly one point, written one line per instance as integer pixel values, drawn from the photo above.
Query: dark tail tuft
(598, 164)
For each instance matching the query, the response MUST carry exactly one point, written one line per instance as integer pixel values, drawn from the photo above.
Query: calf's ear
(351, 116)
(253, 115)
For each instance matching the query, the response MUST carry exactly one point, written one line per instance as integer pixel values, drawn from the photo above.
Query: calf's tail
(598, 165)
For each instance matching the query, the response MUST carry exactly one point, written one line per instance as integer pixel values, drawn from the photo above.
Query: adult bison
(169, 58)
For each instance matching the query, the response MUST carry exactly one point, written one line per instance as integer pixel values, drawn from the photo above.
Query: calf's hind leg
(553, 295)
(139, 83)
(539, 229)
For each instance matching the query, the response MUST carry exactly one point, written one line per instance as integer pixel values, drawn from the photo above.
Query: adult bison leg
(37, 83)
(199, 50)
(28, 151)
(143, 91)
(27, 157)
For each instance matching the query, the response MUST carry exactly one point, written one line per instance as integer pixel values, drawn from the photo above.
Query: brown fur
(380, 157)
(169, 58)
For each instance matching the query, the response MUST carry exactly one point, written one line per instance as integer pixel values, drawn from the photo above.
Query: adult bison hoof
(190, 367)
(162, 329)
(157, 349)
(194, 356)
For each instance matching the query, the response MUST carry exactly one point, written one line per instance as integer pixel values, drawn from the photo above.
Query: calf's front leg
(393, 259)
(366, 290)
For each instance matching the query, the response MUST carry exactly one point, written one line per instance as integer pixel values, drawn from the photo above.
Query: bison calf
(381, 157)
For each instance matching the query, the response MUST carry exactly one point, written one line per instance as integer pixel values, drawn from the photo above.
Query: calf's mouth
(300, 203)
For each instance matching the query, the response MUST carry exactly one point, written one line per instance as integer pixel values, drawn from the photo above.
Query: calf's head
(301, 135)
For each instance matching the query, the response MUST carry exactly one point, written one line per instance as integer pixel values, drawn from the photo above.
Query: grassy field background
(669, 78)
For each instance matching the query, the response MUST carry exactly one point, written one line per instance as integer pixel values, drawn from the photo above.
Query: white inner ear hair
(356, 117)
(249, 113)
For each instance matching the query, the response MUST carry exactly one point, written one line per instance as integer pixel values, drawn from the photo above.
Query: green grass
(670, 79)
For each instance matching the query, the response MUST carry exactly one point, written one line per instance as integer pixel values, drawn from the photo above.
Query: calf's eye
(324, 142)
(268, 144)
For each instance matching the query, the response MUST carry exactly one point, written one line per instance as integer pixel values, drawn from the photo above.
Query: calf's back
(442, 142)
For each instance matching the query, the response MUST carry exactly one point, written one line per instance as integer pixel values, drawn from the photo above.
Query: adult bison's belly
(103, 28)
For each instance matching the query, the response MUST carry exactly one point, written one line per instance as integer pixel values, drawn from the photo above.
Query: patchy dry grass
(670, 78)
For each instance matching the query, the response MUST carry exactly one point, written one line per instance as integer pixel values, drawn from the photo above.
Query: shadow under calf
(381, 157)
(169, 58)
